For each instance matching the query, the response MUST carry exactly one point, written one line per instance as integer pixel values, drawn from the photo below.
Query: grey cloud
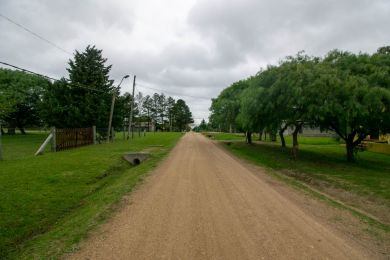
(273, 29)
(216, 43)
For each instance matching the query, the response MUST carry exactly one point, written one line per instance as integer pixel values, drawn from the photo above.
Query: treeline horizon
(343, 92)
(28, 100)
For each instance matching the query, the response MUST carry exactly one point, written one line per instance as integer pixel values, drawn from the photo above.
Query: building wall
(307, 131)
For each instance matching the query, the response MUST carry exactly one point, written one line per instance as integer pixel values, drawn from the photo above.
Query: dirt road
(200, 203)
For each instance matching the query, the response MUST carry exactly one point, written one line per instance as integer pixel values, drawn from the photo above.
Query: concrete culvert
(136, 161)
(136, 158)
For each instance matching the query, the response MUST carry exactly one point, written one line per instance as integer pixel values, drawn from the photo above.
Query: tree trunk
(230, 128)
(10, 131)
(260, 135)
(248, 137)
(350, 151)
(265, 136)
(282, 138)
(295, 142)
(22, 130)
(273, 136)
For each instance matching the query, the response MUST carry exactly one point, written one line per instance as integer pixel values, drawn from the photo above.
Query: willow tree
(225, 108)
(350, 97)
(250, 117)
(289, 94)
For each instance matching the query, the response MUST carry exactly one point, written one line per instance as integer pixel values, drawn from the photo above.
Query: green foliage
(353, 102)
(165, 112)
(342, 92)
(182, 115)
(122, 109)
(20, 98)
(202, 127)
(86, 100)
(225, 108)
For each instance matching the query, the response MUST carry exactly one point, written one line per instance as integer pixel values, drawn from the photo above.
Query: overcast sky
(188, 47)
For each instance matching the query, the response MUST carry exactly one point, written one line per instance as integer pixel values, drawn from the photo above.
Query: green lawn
(48, 203)
(369, 176)
(21, 146)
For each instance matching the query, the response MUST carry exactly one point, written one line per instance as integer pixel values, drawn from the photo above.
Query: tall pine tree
(89, 70)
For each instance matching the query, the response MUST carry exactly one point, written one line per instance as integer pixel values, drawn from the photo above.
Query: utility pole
(131, 112)
(112, 108)
(111, 114)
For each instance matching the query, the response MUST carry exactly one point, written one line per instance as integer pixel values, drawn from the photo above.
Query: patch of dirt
(340, 221)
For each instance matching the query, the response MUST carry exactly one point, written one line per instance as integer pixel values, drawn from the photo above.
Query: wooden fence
(68, 138)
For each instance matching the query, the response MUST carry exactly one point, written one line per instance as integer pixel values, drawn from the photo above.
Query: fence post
(94, 134)
(1, 146)
(53, 139)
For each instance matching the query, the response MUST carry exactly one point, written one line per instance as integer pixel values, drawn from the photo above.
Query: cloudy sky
(188, 49)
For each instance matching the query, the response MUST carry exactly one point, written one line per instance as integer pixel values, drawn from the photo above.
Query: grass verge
(49, 203)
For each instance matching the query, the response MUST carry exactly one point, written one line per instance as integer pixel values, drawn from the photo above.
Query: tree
(250, 117)
(91, 89)
(182, 115)
(147, 107)
(289, 96)
(155, 109)
(57, 106)
(20, 98)
(257, 111)
(161, 110)
(122, 110)
(225, 108)
(354, 99)
(203, 125)
(169, 111)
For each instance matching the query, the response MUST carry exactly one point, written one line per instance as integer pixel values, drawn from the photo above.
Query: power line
(26, 70)
(173, 93)
(35, 34)
(84, 87)
(51, 78)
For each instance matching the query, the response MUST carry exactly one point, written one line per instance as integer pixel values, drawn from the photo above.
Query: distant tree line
(28, 100)
(202, 127)
(343, 92)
